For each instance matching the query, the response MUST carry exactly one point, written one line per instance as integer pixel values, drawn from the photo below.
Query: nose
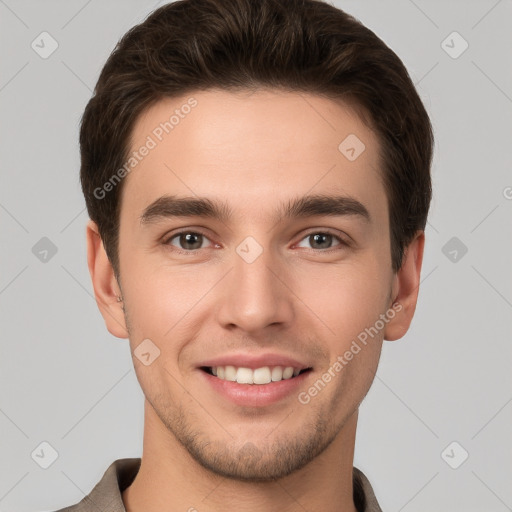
(255, 295)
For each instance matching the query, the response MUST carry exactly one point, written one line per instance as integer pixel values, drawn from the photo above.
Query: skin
(254, 151)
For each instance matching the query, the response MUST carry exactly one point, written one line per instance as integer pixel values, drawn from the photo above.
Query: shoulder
(106, 494)
(364, 497)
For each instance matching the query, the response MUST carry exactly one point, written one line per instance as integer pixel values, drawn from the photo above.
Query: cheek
(159, 298)
(170, 305)
(346, 298)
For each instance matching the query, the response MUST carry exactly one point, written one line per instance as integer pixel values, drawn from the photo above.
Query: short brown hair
(295, 45)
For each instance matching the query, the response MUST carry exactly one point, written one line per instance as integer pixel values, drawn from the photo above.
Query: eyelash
(342, 243)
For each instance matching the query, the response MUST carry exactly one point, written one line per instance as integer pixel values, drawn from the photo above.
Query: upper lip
(246, 360)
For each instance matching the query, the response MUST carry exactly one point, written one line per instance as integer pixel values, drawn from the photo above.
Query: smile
(258, 376)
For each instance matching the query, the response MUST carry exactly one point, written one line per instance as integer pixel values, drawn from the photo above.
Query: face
(281, 260)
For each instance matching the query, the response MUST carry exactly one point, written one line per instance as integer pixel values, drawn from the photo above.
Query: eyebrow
(169, 206)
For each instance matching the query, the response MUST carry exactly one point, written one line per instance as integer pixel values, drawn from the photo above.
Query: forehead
(252, 148)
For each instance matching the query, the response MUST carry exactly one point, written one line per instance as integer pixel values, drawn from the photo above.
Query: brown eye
(321, 240)
(187, 240)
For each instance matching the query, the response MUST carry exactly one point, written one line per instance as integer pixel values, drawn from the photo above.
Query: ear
(405, 289)
(106, 288)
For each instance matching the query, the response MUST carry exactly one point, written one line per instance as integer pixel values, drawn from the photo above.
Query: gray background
(65, 380)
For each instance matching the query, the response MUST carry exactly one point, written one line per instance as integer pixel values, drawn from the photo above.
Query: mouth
(257, 376)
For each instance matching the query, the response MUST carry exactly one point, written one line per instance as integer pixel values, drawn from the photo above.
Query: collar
(106, 495)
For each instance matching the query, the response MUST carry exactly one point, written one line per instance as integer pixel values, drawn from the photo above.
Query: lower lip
(255, 395)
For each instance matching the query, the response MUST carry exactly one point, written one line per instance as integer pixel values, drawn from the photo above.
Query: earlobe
(106, 289)
(406, 287)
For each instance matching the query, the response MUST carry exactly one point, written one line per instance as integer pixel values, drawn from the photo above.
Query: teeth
(230, 373)
(277, 373)
(262, 375)
(244, 376)
(288, 372)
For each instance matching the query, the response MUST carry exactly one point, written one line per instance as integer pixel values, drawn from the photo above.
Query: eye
(321, 240)
(187, 240)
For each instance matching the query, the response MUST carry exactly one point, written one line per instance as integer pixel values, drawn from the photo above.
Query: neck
(169, 479)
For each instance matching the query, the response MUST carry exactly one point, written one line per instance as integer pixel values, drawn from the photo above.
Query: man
(257, 176)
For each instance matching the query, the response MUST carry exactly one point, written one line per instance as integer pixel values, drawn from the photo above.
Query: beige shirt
(106, 495)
